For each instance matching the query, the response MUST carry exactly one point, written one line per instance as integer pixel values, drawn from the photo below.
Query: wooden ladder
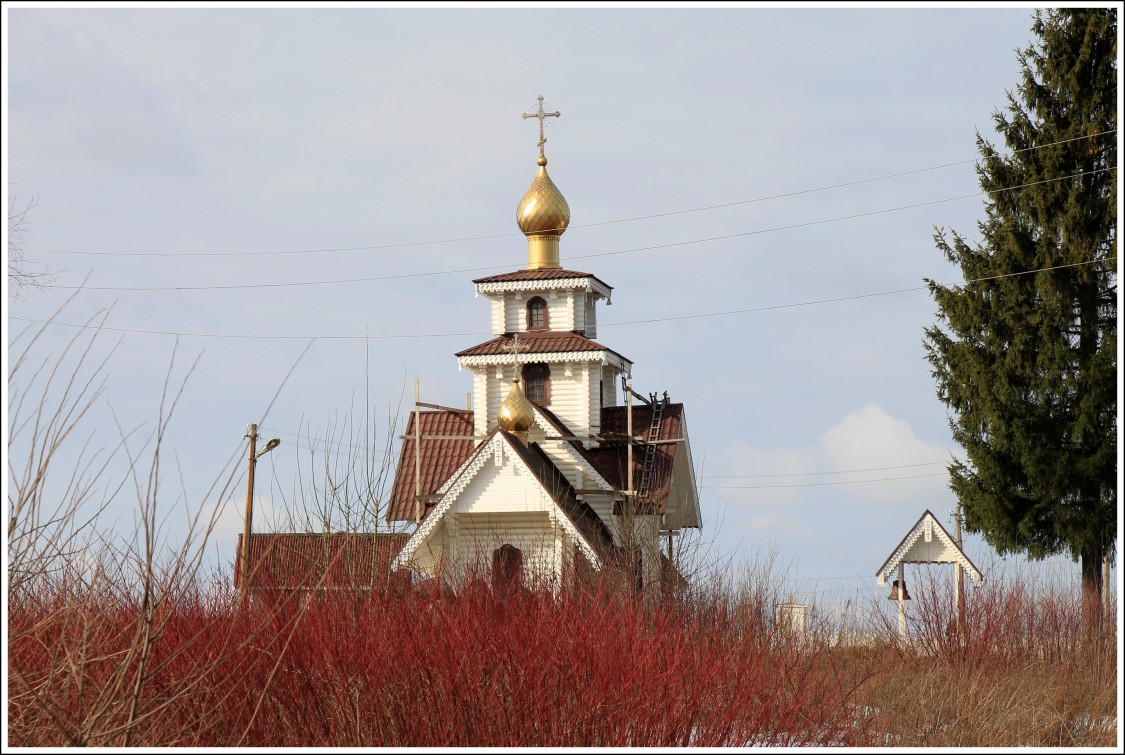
(644, 491)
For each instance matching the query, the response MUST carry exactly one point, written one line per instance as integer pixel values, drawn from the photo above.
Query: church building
(560, 471)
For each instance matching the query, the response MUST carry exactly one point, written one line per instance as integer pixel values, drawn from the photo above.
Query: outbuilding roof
(335, 560)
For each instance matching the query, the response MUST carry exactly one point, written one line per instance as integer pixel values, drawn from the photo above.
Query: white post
(959, 578)
(901, 602)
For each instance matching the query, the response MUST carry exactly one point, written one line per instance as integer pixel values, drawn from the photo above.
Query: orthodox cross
(542, 116)
(515, 348)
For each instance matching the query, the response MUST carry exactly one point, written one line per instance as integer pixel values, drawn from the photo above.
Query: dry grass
(1024, 673)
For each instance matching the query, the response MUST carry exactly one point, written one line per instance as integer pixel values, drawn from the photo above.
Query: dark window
(537, 383)
(537, 314)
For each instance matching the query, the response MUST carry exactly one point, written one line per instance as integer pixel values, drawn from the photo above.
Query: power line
(653, 247)
(820, 484)
(603, 325)
(653, 216)
(314, 442)
(842, 471)
(839, 298)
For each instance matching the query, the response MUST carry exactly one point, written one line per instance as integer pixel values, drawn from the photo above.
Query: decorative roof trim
(460, 480)
(589, 284)
(603, 356)
(927, 522)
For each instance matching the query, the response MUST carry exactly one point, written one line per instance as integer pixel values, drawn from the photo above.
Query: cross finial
(515, 348)
(542, 116)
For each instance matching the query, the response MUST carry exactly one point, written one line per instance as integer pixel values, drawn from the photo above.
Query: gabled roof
(927, 542)
(537, 342)
(337, 560)
(440, 458)
(583, 524)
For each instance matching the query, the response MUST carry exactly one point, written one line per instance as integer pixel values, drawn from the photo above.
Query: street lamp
(271, 444)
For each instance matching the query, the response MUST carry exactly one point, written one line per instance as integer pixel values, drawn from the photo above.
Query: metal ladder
(644, 490)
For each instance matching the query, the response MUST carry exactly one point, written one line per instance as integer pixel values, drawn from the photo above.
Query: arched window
(537, 314)
(537, 383)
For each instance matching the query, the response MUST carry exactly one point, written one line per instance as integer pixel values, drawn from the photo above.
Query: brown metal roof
(611, 459)
(541, 342)
(439, 459)
(338, 560)
(539, 274)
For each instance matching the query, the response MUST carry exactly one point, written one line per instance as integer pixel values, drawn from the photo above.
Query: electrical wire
(820, 484)
(603, 325)
(653, 247)
(583, 225)
(811, 474)
(360, 451)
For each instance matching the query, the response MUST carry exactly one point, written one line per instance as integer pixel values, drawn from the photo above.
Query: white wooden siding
(497, 315)
(568, 397)
(590, 320)
(609, 386)
(483, 408)
(560, 311)
(477, 536)
(591, 374)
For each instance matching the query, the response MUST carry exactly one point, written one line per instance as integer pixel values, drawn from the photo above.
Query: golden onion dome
(516, 413)
(543, 209)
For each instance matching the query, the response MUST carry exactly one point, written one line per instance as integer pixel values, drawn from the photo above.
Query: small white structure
(791, 617)
(927, 542)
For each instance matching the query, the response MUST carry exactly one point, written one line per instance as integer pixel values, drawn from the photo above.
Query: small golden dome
(516, 413)
(543, 209)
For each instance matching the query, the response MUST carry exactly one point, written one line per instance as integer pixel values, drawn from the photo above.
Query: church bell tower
(544, 319)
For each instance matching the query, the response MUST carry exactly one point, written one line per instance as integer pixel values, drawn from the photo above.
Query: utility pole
(244, 567)
(252, 459)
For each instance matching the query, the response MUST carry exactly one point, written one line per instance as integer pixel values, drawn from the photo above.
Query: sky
(304, 195)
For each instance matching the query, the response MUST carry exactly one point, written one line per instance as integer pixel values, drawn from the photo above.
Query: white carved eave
(925, 531)
(590, 285)
(603, 357)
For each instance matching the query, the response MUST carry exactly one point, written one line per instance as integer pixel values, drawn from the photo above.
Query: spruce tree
(1025, 351)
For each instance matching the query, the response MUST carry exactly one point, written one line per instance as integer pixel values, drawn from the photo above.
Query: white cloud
(871, 439)
(810, 502)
